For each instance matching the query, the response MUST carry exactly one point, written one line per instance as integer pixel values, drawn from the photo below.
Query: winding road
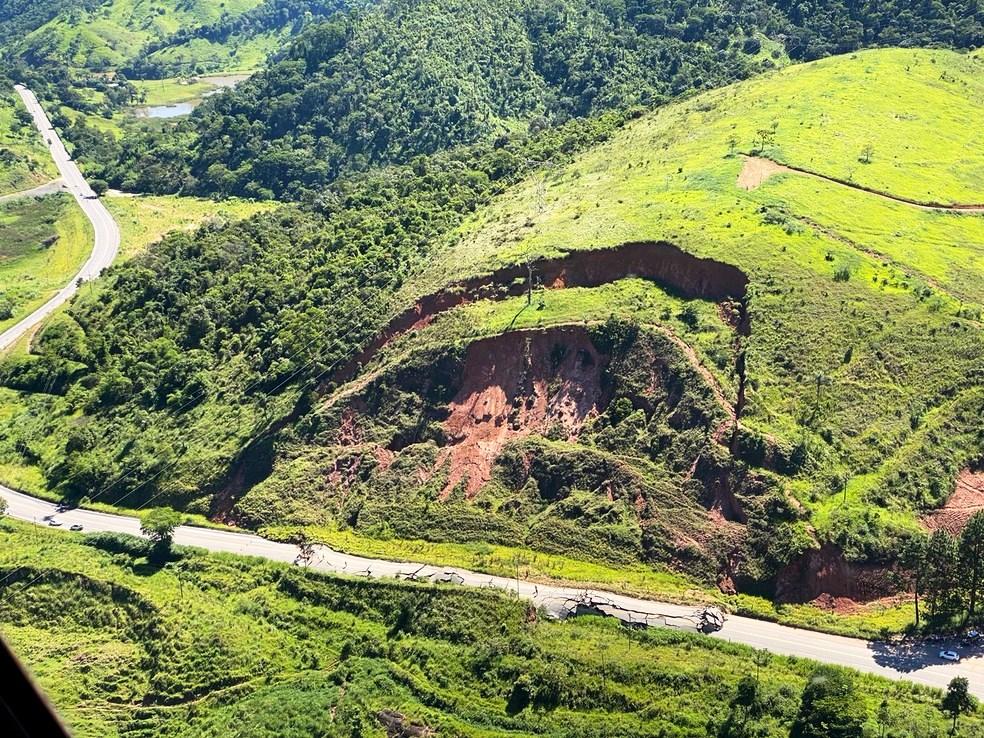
(917, 662)
(107, 234)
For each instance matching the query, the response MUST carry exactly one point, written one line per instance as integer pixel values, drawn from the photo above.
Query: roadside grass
(24, 161)
(30, 272)
(119, 645)
(146, 219)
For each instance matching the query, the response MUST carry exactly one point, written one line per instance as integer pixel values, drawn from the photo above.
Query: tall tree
(830, 707)
(941, 573)
(957, 700)
(972, 562)
(158, 525)
(913, 557)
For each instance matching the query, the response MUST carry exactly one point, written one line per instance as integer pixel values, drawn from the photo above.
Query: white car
(949, 655)
(54, 523)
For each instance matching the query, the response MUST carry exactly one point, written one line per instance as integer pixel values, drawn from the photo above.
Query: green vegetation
(870, 469)
(24, 162)
(105, 35)
(349, 93)
(187, 648)
(212, 359)
(158, 525)
(146, 219)
(43, 243)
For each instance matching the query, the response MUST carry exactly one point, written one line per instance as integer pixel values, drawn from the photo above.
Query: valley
(623, 312)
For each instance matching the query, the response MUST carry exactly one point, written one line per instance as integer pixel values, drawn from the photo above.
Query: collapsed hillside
(598, 442)
(221, 372)
(609, 441)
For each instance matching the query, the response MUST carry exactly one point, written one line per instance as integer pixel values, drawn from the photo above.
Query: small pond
(165, 111)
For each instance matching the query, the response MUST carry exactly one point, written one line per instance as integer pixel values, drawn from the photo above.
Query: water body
(166, 111)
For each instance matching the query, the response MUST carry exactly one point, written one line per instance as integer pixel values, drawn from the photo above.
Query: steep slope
(227, 376)
(851, 297)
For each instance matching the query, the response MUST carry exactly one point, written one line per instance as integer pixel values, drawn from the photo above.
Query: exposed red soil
(515, 385)
(659, 261)
(967, 499)
(757, 170)
(826, 575)
(847, 606)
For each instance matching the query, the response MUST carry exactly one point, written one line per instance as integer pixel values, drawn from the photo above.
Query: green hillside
(879, 298)
(108, 35)
(398, 79)
(839, 324)
(124, 647)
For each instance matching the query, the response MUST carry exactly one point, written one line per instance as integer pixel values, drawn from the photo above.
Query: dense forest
(403, 78)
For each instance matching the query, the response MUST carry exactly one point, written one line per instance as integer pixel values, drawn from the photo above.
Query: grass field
(180, 89)
(30, 270)
(24, 161)
(123, 647)
(146, 219)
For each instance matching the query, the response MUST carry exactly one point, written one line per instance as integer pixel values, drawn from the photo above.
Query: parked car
(949, 655)
(54, 523)
(77, 527)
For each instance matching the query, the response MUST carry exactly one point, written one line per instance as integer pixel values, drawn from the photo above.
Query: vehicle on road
(77, 527)
(949, 655)
(54, 523)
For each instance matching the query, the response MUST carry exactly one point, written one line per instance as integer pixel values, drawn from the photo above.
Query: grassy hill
(127, 648)
(108, 35)
(838, 322)
(153, 38)
(862, 358)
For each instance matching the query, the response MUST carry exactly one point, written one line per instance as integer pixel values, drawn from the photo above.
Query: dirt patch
(546, 382)
(658, 261)
(757, 170)
(967, 499)
(824, 576)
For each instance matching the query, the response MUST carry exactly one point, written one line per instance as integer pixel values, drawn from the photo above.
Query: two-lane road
(107, 234)
(919, 663)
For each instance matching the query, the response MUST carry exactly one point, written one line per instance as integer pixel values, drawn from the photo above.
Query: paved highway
(107, 234)
(915, 662)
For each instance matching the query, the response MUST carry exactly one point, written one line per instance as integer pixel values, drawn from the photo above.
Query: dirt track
(757, 170)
